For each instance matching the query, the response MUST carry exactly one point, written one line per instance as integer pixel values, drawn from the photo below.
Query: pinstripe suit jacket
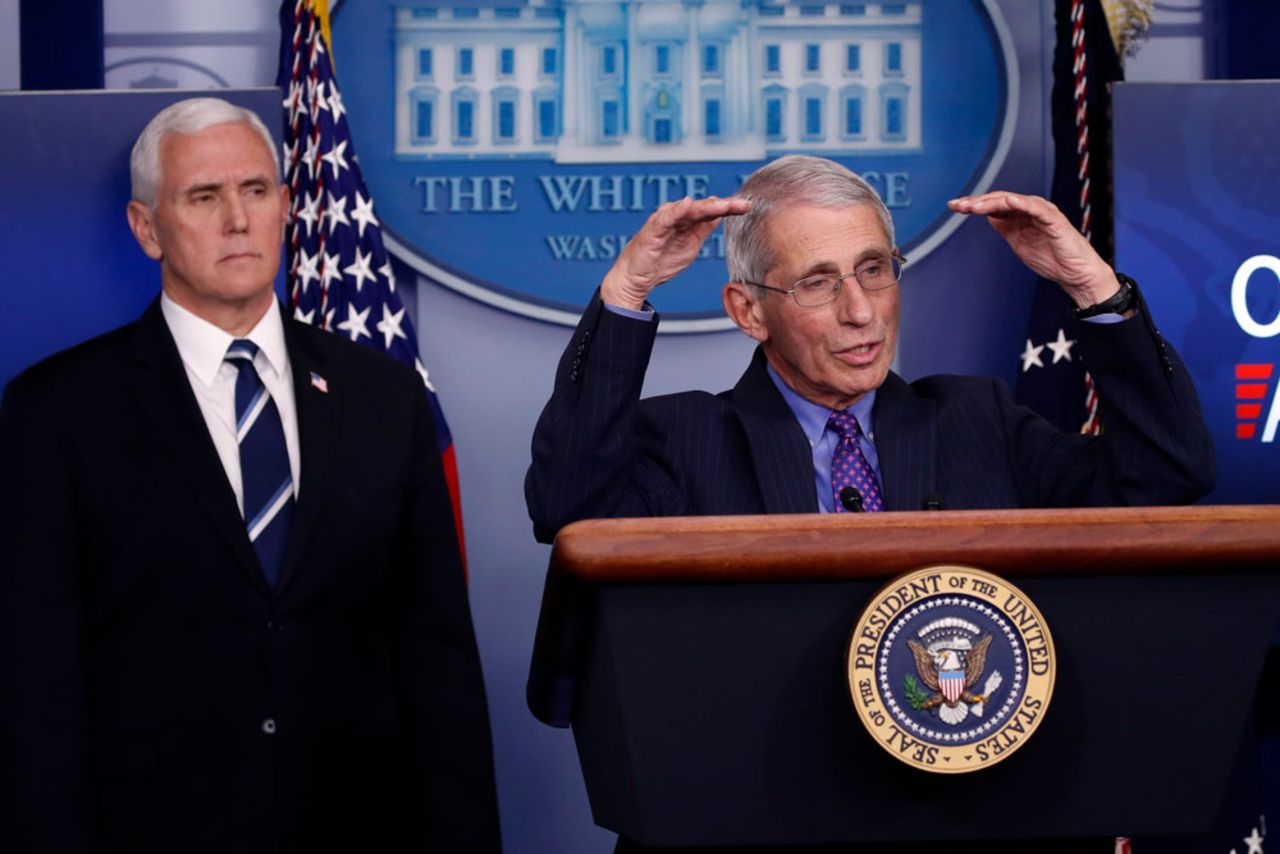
(600, 451)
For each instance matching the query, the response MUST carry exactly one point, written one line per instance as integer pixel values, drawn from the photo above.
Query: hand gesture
(668, 242)
(1046, 242)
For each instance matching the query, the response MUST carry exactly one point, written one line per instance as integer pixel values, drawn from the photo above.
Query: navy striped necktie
(264, 463)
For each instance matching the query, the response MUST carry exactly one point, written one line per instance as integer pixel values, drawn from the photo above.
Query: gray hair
(190, 116)
(796, 179)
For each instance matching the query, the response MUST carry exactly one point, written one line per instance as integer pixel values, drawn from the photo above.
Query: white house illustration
(601, 81)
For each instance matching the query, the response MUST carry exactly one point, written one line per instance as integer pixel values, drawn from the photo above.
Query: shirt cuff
(645, 313)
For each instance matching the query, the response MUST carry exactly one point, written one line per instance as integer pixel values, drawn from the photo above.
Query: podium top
(819, 547)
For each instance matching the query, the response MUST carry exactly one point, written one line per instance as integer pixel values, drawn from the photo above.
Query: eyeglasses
(815, 291)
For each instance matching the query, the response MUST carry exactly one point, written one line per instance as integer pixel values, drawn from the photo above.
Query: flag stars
(386, 272)
(389, 325)
(360, 271)
(1031, 356)
(1061, 348)
(336, 213)
(309, 211)
(310, 156)
(331, 270)
(363, 212)
(336, 158)
(335, 103)
(307, 272)
(356, 323)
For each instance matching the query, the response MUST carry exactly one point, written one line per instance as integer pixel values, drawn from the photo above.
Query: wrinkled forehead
(228, 147)
(856, 228)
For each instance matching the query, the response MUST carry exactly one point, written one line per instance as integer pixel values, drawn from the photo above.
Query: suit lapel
(906, 442)
(780, 453)
(164, 394)
(318, 395)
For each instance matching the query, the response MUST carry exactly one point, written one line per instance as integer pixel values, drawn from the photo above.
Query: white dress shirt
(203, 348)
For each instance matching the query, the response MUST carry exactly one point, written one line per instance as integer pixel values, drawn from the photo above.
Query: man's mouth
(860, 354)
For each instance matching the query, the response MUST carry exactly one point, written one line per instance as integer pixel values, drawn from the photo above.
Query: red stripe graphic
(1254, 372)
(1246, 411)
(1251, 391)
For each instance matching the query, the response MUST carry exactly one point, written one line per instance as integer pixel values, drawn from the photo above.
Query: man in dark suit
(232, 611)
(819, 421)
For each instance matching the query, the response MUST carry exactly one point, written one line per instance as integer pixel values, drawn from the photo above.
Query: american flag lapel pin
(318, 383)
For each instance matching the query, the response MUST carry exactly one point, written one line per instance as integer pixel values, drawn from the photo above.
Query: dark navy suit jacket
(600, 451)
(155, 695)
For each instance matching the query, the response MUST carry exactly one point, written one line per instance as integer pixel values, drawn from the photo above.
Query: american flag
(340, 276)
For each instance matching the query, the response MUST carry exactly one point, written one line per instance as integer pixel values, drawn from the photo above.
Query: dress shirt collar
(813, 418)
(203, 346)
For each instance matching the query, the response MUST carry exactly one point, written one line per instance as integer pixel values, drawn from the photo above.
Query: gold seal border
(938, 582)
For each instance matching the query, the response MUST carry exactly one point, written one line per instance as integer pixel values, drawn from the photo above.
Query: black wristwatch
(1123, 300)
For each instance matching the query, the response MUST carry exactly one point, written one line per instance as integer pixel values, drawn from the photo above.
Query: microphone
(851, 498)
(932, 501)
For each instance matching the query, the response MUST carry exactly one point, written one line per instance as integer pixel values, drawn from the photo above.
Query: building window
(775, 100)
(466, 12)
(852, 58)
(424, 12)
(772, 11)
(464, 116)
(894, 8)
(711, 59)
(466, 62)
(893, 58)
(506, 61)
(422, 112)
(424, 62)
(893, 112)
(853, 9)
(506, 12)
(712, 118)
(549, 60)
(609, 119)
(609, 60)
(547, 110)
(812, 58)
(851, 102)
(812, 11)
(772, 59)
(662, 59)
(812, 117)
(504, 114)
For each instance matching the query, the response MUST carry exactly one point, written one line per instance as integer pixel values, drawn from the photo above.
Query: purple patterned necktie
(849, 467)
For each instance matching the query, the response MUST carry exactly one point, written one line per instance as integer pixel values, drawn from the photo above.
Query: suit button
(269, 726)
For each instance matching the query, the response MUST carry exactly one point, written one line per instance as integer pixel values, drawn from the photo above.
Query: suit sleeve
(1155, 448)
(45, 795)
(450, 758)
(586, 450)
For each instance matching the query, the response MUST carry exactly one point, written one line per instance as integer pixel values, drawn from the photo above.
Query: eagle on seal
(952, 682)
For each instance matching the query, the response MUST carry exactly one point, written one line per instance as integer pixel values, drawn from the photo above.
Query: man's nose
(236, 215)
(853, 303)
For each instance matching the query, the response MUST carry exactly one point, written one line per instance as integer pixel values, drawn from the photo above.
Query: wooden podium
(700, 662)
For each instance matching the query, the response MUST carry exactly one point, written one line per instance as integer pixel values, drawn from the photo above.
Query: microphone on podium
(851, 499)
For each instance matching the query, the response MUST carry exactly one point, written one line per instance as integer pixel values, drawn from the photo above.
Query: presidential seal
(951, 669)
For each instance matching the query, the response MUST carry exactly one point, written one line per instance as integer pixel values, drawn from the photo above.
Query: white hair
(190, 116)
(796, 179)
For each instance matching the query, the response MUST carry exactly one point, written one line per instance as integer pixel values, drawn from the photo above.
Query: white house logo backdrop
(514, 147)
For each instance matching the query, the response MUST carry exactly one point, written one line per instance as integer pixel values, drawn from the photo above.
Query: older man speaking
(819, 421)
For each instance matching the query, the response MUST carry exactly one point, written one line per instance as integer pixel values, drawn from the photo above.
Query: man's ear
(284, 203)
(742, 305)
(143, 227)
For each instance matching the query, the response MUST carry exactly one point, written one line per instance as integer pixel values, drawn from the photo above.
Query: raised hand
(1042, 237)
(668, 242)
